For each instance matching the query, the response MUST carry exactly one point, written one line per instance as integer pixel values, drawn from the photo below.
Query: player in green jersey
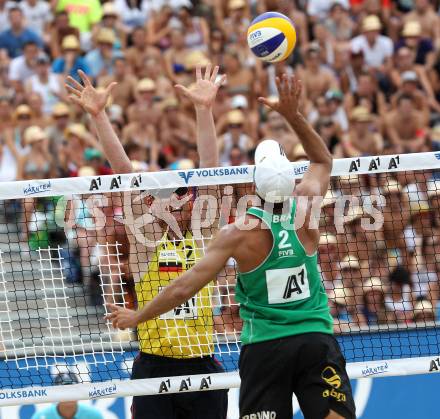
(287, 339)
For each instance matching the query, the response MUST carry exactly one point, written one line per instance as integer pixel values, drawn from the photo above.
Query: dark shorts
(310, 365)
(191, 405)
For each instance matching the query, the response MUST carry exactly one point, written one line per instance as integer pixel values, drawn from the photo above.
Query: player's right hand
(86, 96)
(289, 92)
(204, 90)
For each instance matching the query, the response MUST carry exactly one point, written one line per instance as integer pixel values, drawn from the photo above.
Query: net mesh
(63, 257)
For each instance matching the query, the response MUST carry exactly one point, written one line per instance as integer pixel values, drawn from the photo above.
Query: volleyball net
(69, 246)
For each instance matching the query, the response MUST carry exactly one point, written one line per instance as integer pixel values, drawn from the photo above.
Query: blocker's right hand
(86, 96)
(204, 91)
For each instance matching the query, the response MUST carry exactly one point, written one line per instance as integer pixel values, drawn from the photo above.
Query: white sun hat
(273, 174)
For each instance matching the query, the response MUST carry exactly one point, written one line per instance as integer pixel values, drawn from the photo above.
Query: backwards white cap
(273, 174)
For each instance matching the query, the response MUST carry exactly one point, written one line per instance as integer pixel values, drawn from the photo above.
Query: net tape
(107, 347)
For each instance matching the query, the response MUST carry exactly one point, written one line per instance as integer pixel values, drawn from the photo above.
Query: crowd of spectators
(371, 74)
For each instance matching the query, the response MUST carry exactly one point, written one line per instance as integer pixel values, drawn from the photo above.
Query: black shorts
(310, 365)
(191, 405)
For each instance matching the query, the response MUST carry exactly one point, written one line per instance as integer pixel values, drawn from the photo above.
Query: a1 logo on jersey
(287, 285)
(187, 310)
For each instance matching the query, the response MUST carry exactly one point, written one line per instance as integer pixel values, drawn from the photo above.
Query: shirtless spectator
(123, 93)
(176, 130)
(276, 127)
(316, 78)
(142, 133)
(363, 137)
(422, 47)
(404, 126)
(144, 98)
(240, 79)
(425, 15)
(140, 51)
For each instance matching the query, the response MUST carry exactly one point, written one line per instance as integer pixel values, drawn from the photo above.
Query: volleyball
(271, 37)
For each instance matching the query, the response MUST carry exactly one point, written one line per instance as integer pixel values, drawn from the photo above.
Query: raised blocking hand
(86, 96)
(204, 91)
(289, 92)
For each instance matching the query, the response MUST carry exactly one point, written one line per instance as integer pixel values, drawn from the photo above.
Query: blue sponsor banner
(403, 397)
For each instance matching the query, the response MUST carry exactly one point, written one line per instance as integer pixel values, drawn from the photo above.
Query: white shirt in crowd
(19, 69)
(320, 8)
(133, 16)
(374, 55)
(4, 13)
(37, 16)
(48, 91)
(8, 166)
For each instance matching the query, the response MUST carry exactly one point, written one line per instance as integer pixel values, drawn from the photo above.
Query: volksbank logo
(22, 394)
(437, 156)
(203, 173)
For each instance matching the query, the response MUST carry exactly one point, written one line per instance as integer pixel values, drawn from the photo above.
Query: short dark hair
(15, 9)
(404, 96)
(32, 43)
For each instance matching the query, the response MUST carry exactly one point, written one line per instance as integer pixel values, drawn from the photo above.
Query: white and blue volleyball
(271, 37)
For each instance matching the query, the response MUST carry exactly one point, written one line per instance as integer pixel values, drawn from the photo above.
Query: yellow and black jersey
(187, 330)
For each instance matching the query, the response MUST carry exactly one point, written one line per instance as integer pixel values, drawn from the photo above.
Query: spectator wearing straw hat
(424, 14)
(374, 309)
(70, 60)
(377, 49)
(110, 20)
(101, 60)
(38, 163)
(412, 38)
(328, 253)
(396, 214)
(424, 312)
(340, 302)
(60, 28)
(363, 138)
(145, 93)
(399, 299)
(57, 129)
(23, 118)
(351, 277)
(234, 135)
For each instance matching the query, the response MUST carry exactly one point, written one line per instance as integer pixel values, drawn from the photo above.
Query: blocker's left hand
(122, 318)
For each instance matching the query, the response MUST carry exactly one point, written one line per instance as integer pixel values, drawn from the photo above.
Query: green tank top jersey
(284, 296)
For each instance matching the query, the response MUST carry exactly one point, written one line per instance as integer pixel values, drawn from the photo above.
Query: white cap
(268, 148)
(273, 175)
(239, 101)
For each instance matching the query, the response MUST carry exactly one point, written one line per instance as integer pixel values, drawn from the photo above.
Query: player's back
(283, 287)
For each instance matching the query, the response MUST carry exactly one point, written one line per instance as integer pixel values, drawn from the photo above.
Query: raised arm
(316, 180)
(94, 102)
(203, 95)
